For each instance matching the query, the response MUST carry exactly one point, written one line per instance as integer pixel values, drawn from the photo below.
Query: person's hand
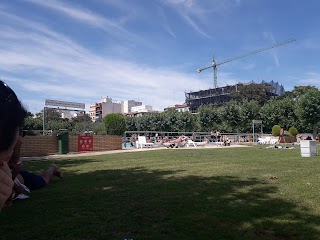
(15, 168)
(14, 162)
(15, 157)
(19, 190)
(6, 183)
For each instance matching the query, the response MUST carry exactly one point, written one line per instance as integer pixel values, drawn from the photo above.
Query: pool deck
(126, 150)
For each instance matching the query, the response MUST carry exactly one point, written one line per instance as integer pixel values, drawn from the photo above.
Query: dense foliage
(114, 124)
(299, 108)
(53, 121)
(276, 130)
(257, 92)
(293, 131)
(308, 109)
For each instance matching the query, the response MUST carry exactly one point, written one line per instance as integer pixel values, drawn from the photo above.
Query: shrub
(115, 124)
(99, 128)
(30, 133)
(293, 131)
(276, 130)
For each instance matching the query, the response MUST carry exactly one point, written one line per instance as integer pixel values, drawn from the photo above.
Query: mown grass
(174, 194)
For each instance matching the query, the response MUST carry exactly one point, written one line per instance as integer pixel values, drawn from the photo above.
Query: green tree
(152, 121)
(32, 123)
(50, 115)
(80, 118)
(170, 119)
(249, 111)
(131, 123)
(115, 124)
(308, 109)
(231, 115)
(258, 92)
(147, 122)
(98, 128)
(58, 124)
(78, 123)
(298, 91)
(269, 115)
(30, 114)
(53, 119)
(286, 112)
(209, 117)
(280, 111)
(185, 122)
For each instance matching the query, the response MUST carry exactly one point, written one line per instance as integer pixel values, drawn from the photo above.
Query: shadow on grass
(42, 164)
(142, 204)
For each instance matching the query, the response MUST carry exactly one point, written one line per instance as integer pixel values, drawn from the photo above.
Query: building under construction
(221, 95)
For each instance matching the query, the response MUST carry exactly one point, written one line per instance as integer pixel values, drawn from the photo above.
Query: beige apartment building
(107, 105)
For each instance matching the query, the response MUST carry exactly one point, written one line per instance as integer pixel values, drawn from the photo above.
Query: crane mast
(214, 65)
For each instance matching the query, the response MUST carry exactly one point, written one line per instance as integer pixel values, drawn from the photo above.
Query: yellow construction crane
(215, 65)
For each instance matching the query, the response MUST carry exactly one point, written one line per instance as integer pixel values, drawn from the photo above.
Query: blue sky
(149, 50)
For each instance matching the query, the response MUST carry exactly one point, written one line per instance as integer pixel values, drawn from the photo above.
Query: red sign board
(85, 143)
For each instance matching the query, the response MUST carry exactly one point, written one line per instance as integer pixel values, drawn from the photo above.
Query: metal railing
(235, 138)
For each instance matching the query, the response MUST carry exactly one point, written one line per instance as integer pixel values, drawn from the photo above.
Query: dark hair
(12, 115)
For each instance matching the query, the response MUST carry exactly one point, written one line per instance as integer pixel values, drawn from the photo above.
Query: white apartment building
(104, 107)
(108, 106)
(142, 108)
(178, 107)
(67, 114)
(182, 107)
(128, 104)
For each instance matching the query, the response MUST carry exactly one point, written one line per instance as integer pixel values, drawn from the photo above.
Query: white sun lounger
(142, 142)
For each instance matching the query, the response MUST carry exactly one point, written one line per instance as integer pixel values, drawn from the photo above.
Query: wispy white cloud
(86, 17)
(120, 4)
(83, 15)
(200, 14)
(194, 25)
(189, 12)
(42, 62)
(269, 35)
(65, 70)
(311, 78)
(165, 22)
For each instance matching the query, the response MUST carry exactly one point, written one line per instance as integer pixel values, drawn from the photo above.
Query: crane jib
(214, 64)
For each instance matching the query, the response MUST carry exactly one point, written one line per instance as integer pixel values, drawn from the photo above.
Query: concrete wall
(34, 146)
(110, 107)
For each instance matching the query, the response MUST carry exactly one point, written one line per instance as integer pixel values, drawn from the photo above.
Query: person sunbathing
(176, 142)
(24, 181)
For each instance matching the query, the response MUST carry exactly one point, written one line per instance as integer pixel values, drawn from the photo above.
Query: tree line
(54, 121)
(299, 108)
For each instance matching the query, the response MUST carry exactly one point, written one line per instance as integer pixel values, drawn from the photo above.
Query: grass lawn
(223, 193)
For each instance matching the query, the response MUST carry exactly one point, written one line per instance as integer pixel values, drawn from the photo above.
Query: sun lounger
(142, 142)
(195, 144)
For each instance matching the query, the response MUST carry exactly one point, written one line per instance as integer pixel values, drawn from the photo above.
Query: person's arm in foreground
(6, 183)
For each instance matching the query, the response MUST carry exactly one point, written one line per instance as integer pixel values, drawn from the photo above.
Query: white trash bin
(308, 148)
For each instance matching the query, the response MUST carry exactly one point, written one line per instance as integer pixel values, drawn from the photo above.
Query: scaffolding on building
(222, 95)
